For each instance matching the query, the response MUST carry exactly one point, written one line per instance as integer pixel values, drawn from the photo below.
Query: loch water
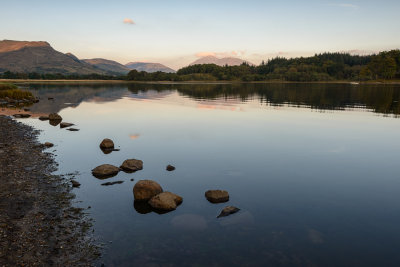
(314, 169)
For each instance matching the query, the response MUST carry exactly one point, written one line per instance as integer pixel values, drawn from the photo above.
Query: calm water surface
(313, 168)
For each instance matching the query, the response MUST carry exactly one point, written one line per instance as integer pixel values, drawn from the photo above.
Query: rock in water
(217, 196)
(66, 124)
(55, 117)
(73, 129)
(170, 168)
(44, 118)
(22, 115)
(112, 183)
(75, 183)
(132, 165)
(165, 201)
(48, 144)
(105, 171)
(107, 144)
(146, 189)
(228, 211)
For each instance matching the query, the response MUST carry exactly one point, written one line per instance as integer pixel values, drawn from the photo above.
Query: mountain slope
(230, 61)
(149, 67)
(108, 65)
(40, 57)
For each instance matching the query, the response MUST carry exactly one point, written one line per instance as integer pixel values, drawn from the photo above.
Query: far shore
(196, 82)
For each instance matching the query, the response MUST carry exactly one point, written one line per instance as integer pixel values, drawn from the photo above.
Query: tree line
(320, 67)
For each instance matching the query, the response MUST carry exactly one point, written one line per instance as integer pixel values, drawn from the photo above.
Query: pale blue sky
(174, 32)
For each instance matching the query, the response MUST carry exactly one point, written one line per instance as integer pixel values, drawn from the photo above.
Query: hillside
(108, 65)
(230, 61)
(40, 57)
(149, 67)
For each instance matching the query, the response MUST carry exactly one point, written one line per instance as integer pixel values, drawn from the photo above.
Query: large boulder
(228, 211)
(165, 201)
(107, 144)
(105, 171)
(217, 196)
(146, 189)
(132, 165)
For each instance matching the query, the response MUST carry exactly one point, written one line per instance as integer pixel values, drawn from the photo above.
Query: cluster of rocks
(55, 119)
(14, 103)
(151, 192)
(221, 196)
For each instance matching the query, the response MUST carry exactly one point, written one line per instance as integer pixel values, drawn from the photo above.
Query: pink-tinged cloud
(129, 21)
(221, 54)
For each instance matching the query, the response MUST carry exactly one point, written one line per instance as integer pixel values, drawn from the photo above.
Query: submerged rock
(217, 196)
(75, 183)
(105, 171)
(146, 189)
(228, 211)
(189, 222)
(66, 124)
(112, 183)
(107, 144)
(132, 165)
(165, 201)
(170, 168)
(73, 129)
(22, 115)
(44, 118)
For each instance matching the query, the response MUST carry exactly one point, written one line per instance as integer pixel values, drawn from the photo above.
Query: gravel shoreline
(38, 224)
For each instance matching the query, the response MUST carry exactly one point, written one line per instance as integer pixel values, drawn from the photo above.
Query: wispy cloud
(129, 21)
(221, 54)
(346, 5)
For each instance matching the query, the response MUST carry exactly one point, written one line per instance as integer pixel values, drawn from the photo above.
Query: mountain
(149, 67)
(40, 57)
(230, 61)
(108, 65)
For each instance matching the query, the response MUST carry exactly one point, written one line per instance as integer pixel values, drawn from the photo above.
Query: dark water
(313, 168)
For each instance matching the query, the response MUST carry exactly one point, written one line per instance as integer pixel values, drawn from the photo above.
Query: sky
(176, 33)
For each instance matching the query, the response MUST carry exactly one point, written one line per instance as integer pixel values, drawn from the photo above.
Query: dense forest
(320, 67)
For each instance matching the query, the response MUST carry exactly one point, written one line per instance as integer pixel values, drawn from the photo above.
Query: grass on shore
(11, 91)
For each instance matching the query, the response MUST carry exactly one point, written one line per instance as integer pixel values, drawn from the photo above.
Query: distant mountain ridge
(149, 67)
(40, 57)
(108, 65)
(230, 61)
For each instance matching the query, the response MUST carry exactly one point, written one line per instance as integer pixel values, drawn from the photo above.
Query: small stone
(44, 118)
(55, 117)
(165, 201)
(228, 211)
(132, 165)
(107, 144)
(146, 189)
(112, 183)
(73, 129)
(105, 171)
(48, 144)
(66, 124)
(75, 183)
(22, 115)
(217, 196)
(170, 168)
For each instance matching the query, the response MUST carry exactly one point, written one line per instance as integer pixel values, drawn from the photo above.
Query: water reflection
(313, 188)
(382, 99)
